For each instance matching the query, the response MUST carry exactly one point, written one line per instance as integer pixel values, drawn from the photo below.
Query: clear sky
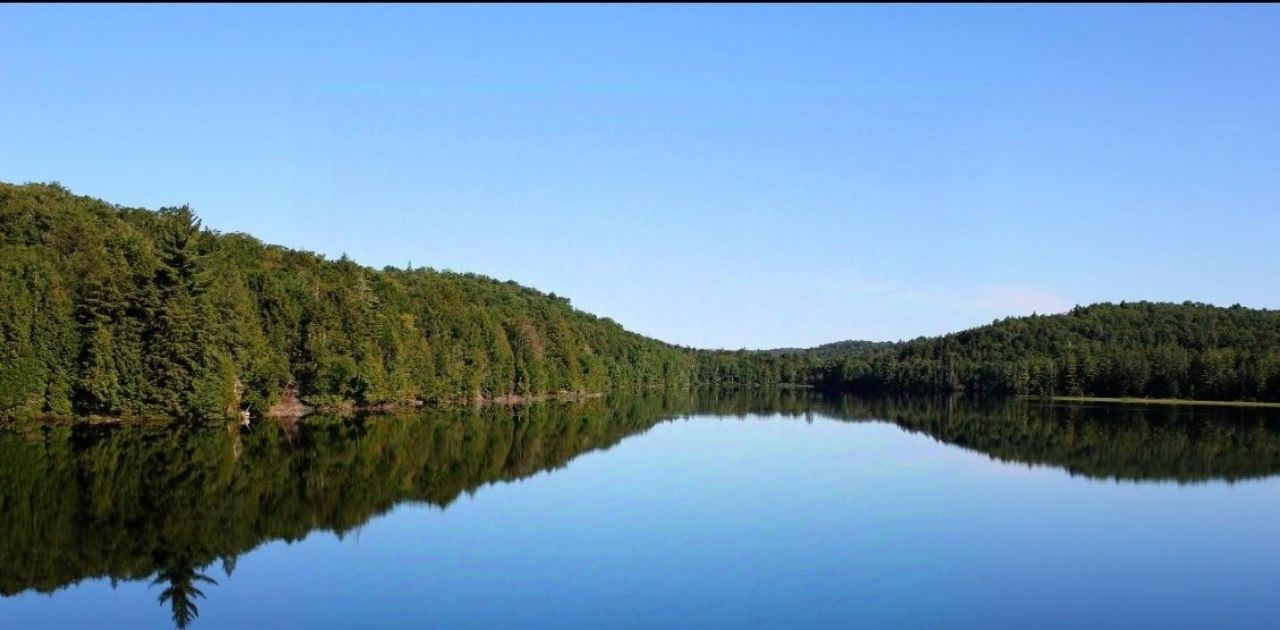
(720, 176)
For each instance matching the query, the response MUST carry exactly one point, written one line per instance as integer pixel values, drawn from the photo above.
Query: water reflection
(164, 502)
(179, 579)
(1186, 444)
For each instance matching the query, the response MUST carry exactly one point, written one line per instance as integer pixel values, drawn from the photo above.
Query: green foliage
(123, 312)
(1137, 349)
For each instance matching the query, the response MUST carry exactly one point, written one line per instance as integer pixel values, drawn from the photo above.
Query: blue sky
(720, 176)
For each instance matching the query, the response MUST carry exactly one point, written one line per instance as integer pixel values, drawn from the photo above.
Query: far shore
(1166, 401)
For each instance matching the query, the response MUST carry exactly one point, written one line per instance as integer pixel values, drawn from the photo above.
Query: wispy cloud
(1010, 300)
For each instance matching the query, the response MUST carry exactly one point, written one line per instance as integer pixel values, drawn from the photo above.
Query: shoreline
(1165, 401)
(298, 409)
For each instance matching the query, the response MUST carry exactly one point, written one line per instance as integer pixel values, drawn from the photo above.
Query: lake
(770, 509)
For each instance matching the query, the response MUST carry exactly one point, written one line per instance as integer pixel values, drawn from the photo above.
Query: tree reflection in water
(164, 501)
(180, 590)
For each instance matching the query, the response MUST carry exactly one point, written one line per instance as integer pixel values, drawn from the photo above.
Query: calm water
(771, 510)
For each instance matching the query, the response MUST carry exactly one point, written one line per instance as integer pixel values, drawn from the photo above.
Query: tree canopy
(126, 312)
(114, 311)
(1138, 349)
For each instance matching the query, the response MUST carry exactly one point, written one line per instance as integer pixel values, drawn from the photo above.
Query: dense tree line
(116, 311)
(737, 368)
(126, 312)
(1141, 349)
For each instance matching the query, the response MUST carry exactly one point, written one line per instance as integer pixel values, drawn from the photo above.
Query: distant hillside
(850, 349)
(779, 366)
(120, 311)
(1187, 350)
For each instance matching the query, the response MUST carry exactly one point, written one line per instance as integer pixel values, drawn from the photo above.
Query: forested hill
(848, 349)
(1142, 349)
(127, 312)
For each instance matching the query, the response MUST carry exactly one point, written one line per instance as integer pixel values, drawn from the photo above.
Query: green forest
(125, 312)
(1142, 349)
